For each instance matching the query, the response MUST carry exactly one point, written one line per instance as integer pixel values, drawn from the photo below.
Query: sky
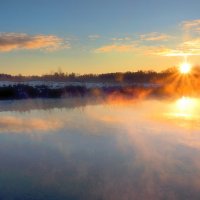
(97, 36)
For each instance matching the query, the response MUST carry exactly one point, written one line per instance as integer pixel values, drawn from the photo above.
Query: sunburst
(185, 68)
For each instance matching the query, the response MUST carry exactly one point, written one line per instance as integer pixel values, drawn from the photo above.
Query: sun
(185, 68)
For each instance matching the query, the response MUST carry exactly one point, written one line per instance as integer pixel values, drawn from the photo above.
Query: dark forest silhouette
(138, 76)
(129, 84)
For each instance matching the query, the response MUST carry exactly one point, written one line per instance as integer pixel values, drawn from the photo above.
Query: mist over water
(83, 148)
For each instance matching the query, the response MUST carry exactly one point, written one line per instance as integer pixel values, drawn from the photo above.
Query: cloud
(192, 44)
(121, 39)
(187, 48)
(134, 47)
(94, 37)
(191, 47)
(158, 50)
(191, 25)
(137, 48)
(155, 37)
(164, 51)
(182, 50)
(21, 41)
(115, 48)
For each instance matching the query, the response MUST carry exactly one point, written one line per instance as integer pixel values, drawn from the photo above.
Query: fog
(113, 148)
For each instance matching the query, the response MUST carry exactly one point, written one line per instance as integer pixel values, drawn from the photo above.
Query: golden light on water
(185, 68)
(185, 107)
(183, 112)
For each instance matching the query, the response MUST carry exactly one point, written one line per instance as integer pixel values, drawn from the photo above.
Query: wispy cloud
(134, 47)
(94, 37)
(189, 47)
(20, 41)
(186, 48)
(191, 25)
(115, 48)
(154, 36)
(164, 51)
(121, 39)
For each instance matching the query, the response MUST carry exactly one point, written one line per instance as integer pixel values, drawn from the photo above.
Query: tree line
(140, 76)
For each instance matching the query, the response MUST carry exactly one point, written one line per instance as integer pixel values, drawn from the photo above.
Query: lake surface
(92, 149)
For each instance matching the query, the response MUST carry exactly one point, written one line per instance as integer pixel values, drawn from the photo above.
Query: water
(88, 149)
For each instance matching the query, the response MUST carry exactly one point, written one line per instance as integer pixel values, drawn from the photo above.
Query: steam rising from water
(117, 148)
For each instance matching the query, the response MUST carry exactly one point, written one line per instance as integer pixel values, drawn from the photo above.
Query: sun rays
(183, 81)
(185, 68)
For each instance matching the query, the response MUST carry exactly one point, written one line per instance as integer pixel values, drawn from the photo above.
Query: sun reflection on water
(185, 107)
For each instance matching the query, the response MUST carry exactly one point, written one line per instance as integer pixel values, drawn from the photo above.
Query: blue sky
(83, 36)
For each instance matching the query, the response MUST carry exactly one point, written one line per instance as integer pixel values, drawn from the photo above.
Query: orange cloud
(191, 47)
(115, 48)
(191, 24)
(155, 37)
(20, 41)
(193, 44)
(187, 48)
(136, 48)
(161, 51)
(179, 51)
